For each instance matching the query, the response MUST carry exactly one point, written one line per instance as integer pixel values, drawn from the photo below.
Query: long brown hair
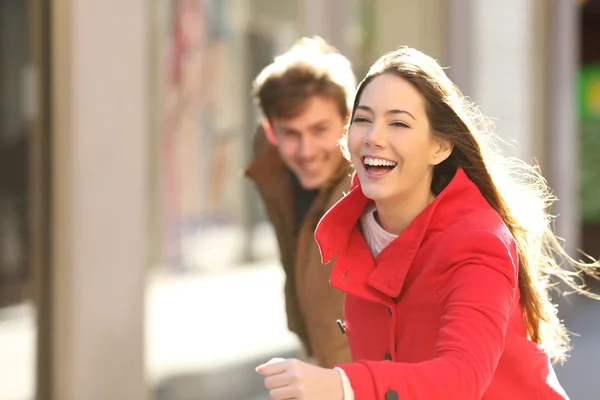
(515, 189)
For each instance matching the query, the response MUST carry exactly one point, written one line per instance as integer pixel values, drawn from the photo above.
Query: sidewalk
(17, 352)
(209, 322)
(207, 331)
(201, 331)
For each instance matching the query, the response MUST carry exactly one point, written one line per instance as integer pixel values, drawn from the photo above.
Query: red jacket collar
(333, 231)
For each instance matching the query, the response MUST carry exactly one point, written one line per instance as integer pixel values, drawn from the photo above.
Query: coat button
(391, 395)
(388, 356)
(341, 326)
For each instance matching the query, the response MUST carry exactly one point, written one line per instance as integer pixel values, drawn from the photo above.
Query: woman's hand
(294, 379)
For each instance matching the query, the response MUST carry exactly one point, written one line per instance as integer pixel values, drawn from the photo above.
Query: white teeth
(378, 162)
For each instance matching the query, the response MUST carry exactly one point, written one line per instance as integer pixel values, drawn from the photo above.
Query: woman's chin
(374, 193)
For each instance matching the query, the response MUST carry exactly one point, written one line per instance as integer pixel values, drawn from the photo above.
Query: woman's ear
(443, 150)
(269, 131)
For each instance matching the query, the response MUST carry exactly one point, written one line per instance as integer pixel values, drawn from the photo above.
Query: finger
(273, 367)
(271, 361)
(283, 393)
(277, 381)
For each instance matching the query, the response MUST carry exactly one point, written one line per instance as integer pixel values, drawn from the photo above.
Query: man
(305, 98)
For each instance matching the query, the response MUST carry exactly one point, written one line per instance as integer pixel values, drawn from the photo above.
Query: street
(207, 331)
(579, 374)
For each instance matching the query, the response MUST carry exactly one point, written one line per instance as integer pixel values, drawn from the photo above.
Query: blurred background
(135, 259)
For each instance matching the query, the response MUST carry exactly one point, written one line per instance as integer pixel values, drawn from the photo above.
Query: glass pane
(17, 313)
(208, 121)
(212, 224)
(216, 245)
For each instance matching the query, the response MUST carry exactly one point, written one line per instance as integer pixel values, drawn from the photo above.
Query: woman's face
(390, 141)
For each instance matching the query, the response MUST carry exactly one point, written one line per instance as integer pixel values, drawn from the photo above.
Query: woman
(443, 249)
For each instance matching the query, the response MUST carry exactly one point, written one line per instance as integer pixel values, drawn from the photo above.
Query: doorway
(24, 194)
(589, 122)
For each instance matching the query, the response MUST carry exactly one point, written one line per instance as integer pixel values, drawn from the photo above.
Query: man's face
(308, 143)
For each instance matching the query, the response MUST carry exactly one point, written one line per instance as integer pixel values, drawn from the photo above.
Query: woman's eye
(360, 119)
(399, 124)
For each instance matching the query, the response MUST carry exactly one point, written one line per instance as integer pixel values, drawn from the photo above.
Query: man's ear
(443, 150)
(269, 131)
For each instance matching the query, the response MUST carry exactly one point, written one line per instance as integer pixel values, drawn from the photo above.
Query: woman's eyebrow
(390, 112)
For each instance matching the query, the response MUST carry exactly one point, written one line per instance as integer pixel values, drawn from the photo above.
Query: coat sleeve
(477, 290)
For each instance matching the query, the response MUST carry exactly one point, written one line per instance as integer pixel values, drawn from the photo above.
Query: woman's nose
(375, 137)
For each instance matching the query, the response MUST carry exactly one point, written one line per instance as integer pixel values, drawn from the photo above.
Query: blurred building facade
(126, 127)
(519, 60)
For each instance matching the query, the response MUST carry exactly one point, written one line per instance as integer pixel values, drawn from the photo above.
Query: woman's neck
(395, 215)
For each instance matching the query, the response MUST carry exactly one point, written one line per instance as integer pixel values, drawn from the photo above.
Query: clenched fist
(292, 379)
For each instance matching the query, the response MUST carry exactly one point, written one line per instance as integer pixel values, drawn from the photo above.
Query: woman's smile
(376, 167)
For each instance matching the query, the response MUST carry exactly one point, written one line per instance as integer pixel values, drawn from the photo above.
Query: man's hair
(311, 67)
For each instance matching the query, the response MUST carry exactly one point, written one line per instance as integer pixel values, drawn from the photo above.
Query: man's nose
(307, 148)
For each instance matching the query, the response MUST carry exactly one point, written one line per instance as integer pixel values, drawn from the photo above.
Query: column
(99, 199)
(419, 24)
(563, 130)
(460, 44)
(333, 20)
(518, 60)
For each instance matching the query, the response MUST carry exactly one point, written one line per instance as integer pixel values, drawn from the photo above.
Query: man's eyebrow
(319, 123)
